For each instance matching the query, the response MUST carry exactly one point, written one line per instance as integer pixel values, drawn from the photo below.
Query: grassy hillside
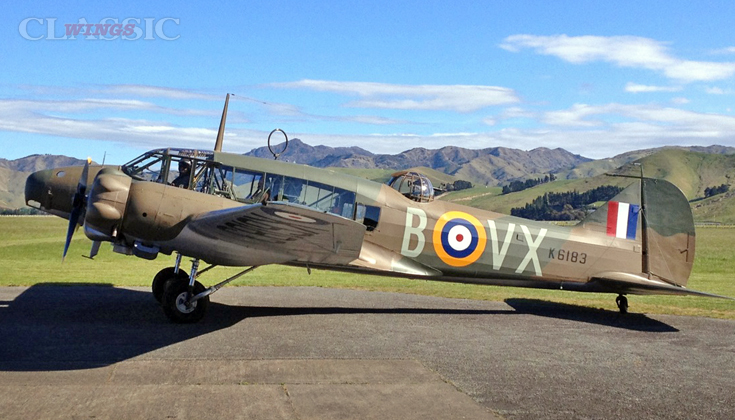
(383, 175)
(602, 166)
(468, 195)
(437, 178)
(692, 172)
(12, 186)
(503, 203)
(717, 209)
(378, 175)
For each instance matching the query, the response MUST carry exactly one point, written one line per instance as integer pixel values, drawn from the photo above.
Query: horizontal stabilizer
(626, 283)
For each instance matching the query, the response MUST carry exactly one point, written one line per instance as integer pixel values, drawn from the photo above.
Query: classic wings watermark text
(108, 29)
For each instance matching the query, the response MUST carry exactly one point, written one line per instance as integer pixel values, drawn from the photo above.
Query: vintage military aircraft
(234, 210)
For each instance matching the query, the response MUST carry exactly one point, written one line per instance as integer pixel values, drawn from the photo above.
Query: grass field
(30, 253)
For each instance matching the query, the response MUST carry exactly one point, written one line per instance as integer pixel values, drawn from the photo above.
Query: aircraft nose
(38, 191)
(52, 190)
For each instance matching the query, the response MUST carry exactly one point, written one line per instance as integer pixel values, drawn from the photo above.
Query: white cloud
(93, 104)
(646, 123)
(726, 50)
(576, 115)
(679, 101)
(373, 120)
(623, 51)
(295, 112)
(117, 90)
(636, 88)
(715, 91)
(149, 91)
(591, 130)
(581, 129)
(595, 142)
(461, 98)
(516, 112)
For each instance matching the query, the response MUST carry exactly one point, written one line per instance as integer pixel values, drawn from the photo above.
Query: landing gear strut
(184, 300)
(622, 302)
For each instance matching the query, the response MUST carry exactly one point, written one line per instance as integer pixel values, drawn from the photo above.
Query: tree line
(456, 185)
(25, 211)
(710, 191)
(570, 205)
(516, 186)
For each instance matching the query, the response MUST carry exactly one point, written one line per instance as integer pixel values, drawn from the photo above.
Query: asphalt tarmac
(318, 353)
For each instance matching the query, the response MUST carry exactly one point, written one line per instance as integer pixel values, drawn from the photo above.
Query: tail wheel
(159, 281)
(176, 303)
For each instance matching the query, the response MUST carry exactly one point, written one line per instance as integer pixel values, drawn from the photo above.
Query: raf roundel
(459, 238)
(294, 217)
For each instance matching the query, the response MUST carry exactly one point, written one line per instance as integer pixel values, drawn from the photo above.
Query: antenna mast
(221, 131)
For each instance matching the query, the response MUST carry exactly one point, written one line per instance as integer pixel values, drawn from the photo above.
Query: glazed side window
(274, 186)
(343, 203)
(368, 216)
(222, 181)
(318, 196)
(247, 185)
(294, 190)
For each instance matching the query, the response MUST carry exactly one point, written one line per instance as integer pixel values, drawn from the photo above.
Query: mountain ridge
(489, 166)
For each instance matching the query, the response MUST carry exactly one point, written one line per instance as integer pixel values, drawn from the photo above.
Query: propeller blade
(73, 225)
(79, 204)
(83, 179)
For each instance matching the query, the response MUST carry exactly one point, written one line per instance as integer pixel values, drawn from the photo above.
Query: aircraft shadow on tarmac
(630, 321)
(51, 327)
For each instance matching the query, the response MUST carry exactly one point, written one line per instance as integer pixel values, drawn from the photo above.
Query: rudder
(669, 231)
(657, 215)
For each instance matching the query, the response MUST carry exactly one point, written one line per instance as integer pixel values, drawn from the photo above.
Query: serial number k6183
(569, 256)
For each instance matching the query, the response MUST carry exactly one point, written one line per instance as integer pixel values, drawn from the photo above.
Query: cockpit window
(414, 185)
(178, 167)
(145, 168)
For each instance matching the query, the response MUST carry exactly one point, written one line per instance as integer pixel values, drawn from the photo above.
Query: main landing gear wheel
(159, 281)
(622, 302)
(176, 303)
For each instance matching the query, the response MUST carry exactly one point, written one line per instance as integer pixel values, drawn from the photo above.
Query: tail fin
(656, 214)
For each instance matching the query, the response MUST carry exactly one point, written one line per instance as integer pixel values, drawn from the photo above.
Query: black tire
(159, 281)
(622, 302)
(175, 307)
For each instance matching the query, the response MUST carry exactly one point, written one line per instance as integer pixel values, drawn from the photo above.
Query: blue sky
(595, 78)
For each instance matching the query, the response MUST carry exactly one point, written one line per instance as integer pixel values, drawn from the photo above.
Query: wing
(275, 233)
(618, 282)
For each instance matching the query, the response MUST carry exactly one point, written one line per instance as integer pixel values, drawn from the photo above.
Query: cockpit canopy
(413, 185)
(165, 165)
(197, 170)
